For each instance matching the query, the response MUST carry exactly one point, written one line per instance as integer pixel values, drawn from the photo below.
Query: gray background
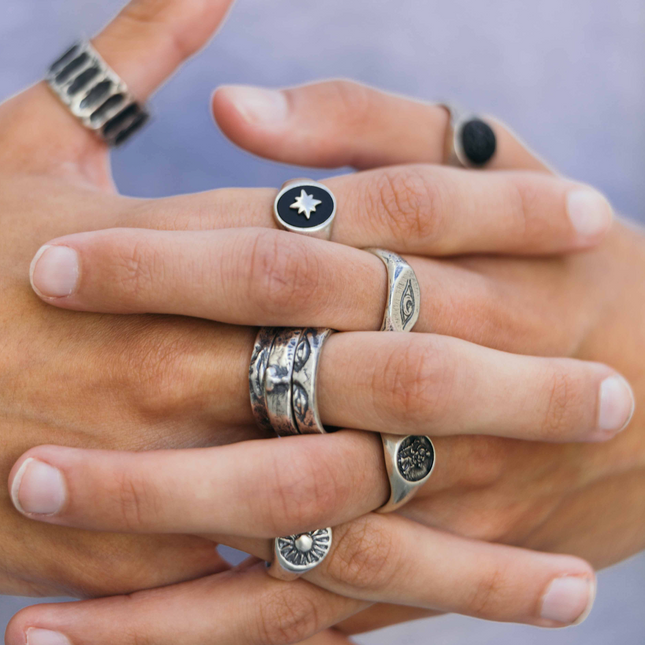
(568, 75)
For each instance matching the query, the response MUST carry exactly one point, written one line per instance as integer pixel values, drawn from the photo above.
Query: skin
(68, 189)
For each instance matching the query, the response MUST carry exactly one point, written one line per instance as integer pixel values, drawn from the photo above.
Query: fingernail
(258, 105)
(37, 636)
(616, 405)
(568, 600)
(54, 271)
(589, 212)
(38, 488)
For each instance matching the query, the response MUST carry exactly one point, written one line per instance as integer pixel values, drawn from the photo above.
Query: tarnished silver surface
(295, 555)
(95, 94)
(403, 293)
(454, 153)
(409, 462)
(277, 381)
(303, 384)
(257, 372)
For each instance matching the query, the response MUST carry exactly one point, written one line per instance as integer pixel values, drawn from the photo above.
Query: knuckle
(363, 555)
(286, 615)
(135, 499)
(300, 493)
(415, 381)
(492, 591)
(352, 100)
(137, 267)
(282, 273)
(409, 204)
(563, 397)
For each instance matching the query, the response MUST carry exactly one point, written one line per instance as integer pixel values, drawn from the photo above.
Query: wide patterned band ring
(257, 373)
(295, 555)
(95, 94)
(277, 381)
(403, 293)
(304, 380)
(409, 462)
(307, 207)
(470, 141)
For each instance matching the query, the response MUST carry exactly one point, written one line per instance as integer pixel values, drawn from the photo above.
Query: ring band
(403, 294)
(257, 372)
(295, 555)
(409, 460)
(305, 206)
(277, 381)
(304, 380)
(470, 141)
(95, 94)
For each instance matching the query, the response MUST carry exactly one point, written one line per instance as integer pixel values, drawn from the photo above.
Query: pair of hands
(141, 383)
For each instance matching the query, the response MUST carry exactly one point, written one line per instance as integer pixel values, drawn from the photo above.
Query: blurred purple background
(569, 76)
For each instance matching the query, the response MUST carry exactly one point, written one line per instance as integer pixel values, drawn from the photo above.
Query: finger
(149, 39)
(245, 607)
(424, 210)
(257, 488)
(343, 123)
(394, 560)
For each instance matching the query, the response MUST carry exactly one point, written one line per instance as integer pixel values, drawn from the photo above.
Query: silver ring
(305, 206)
(409, 462)
(295, 555)
(403, 293)
(257, 373)
(277, 381)
(470, 141)
(304, 379)
(95, 94)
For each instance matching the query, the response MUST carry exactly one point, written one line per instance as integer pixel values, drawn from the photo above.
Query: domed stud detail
(295, 555)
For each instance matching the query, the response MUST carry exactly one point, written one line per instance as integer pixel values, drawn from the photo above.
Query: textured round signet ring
(95, 95)
(409, 462)
(304, 380)
(305, 206)
(470, 141)
(295, 555)
(403, 294)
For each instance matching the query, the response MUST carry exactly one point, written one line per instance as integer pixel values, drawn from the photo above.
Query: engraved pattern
(415, 458)
(408, 304)
(305, 550)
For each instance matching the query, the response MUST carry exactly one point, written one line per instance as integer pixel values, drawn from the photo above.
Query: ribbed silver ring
(95, 94)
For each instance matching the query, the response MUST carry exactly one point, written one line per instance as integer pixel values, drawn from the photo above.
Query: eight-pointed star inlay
(305, 204)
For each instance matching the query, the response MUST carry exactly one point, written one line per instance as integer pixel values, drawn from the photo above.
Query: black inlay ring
(478, 141)
(305, 207)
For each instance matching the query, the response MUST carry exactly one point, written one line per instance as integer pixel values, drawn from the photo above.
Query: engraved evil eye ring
(307, 207)
(470, 141)
(403, 294)
(95, 94)
(409, 460)
(295, 555)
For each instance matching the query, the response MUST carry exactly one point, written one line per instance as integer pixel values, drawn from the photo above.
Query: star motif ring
(470, 142)
(305, 206)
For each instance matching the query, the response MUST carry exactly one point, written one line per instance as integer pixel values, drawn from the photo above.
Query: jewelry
(305, 206)
(95, 95)
(304, 378)
(277, 381)
(295, 555)
(409, 460)
(403, 295)
(470, 142)
(257, 372)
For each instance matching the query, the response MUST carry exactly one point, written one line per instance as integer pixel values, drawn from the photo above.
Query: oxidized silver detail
(95, 94)
(403, 293)
(304, 380)
(257, 372)
(277, 381)
(295, 555)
